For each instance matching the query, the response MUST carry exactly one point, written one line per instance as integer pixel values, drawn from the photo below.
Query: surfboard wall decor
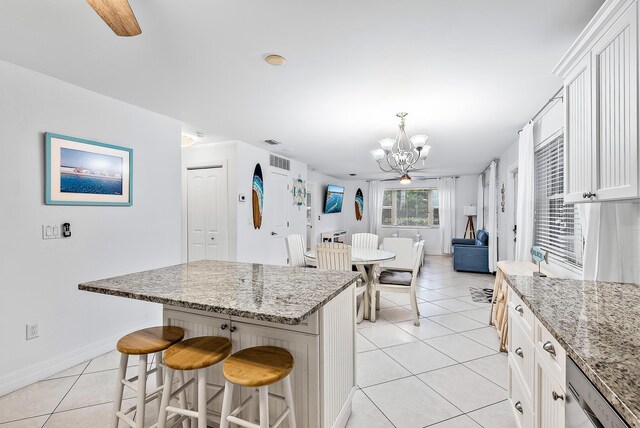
(359, 205)
(257, 196)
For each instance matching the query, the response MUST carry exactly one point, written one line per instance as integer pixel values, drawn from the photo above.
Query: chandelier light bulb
(377, 154)
(405, 179)
(425, 151)
(419, 140)
(387, 144)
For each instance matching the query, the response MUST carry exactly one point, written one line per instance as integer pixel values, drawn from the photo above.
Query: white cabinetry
(323, 346)
(537, 370)
(549, 398)
(600, 74)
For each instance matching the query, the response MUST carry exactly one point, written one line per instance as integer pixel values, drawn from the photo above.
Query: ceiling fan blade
(117, 14)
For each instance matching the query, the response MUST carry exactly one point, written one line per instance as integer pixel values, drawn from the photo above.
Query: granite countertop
(598, 323)
(278, 294)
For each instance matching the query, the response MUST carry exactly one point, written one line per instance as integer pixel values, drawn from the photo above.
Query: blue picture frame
(107, 189)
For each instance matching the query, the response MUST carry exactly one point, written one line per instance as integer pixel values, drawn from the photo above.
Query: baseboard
(43, 370)
(345, 412)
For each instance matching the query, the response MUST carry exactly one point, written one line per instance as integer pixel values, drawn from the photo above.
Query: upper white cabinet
(600, 74)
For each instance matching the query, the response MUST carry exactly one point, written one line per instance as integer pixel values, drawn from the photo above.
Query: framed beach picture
(81, 172)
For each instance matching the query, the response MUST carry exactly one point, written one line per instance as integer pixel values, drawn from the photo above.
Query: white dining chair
(367, 241)
(295, 251)
(336, 256)
(400, 282)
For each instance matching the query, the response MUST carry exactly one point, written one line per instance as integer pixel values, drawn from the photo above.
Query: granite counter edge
(628, 415)
(216, 309)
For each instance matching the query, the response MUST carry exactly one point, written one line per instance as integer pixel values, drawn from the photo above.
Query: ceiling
(470, 73)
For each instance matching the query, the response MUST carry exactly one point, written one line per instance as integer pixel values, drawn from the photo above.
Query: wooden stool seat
(197, 353)
(149, 340)
(258, 366)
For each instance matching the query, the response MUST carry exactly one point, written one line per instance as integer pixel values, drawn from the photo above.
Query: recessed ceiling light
(275, 59)
(287, 149)
(200, 134)
(352, 174)
(272, 142)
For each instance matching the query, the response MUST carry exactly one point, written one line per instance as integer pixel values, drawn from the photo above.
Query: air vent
(279, 162)
(272, 142)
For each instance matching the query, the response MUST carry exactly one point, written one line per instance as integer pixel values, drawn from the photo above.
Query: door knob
(519, 309)
(212, 238)
(223, 327)
(232, 328)
(588, 195)
(519, 352)
(557, 396)
(518, 406)
(273, 233)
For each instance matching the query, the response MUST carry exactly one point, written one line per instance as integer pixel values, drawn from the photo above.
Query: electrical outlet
(33, 330)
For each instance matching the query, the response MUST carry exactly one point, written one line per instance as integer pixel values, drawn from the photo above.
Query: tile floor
(446, 373)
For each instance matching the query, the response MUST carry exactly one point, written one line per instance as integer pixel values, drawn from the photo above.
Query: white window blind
(556, 224)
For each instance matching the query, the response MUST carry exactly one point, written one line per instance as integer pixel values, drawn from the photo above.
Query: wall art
(299, 192)
(359, 205)
(83, 172)
(257, 196)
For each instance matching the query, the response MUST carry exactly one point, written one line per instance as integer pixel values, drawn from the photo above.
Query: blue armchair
(471, 255)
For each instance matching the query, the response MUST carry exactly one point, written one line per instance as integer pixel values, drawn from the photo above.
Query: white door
(207, 213)
(278, 208)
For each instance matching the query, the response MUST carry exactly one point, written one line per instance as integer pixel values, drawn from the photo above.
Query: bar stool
(197, 353)
(142, 343)
(257, 368)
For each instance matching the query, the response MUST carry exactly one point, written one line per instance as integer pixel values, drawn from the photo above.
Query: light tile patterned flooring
(446, 373)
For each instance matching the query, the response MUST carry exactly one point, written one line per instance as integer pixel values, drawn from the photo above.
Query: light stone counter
(309, 312)
(277, 294)
(598, 323)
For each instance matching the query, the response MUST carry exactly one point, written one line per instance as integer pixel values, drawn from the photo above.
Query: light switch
(51, 231)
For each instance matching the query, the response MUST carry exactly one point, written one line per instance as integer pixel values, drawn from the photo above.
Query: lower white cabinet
(323, 347)
(549, 398)
(537, 370)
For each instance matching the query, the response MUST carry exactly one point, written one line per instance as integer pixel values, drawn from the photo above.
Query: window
(410, 207)
(556, 224)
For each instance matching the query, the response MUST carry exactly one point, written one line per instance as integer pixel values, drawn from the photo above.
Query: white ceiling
(469, 72)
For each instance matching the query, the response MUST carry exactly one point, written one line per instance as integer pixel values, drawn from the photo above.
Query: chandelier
(402, 154)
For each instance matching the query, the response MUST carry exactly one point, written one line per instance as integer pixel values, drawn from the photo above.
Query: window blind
(556, 224)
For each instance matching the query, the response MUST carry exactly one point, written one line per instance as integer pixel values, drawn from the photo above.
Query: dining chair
(336, 256)
(400, 282)
(367, 241)
(295, 251)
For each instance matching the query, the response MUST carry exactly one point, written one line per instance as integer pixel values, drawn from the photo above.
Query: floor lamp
(470, 211)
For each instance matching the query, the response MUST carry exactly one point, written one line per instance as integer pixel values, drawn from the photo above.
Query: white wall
(345, 220)
(257, 245)
(40, 278)
(246, 244)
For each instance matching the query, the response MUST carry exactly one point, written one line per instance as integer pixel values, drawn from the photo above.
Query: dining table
(366, 261)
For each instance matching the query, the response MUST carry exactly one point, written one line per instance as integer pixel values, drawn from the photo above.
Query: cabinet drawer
(520, 404)
(521, 354)
(522, 313)
(550, 354)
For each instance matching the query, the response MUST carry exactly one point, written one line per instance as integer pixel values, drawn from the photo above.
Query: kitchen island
(597, 325)
(309, 312)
